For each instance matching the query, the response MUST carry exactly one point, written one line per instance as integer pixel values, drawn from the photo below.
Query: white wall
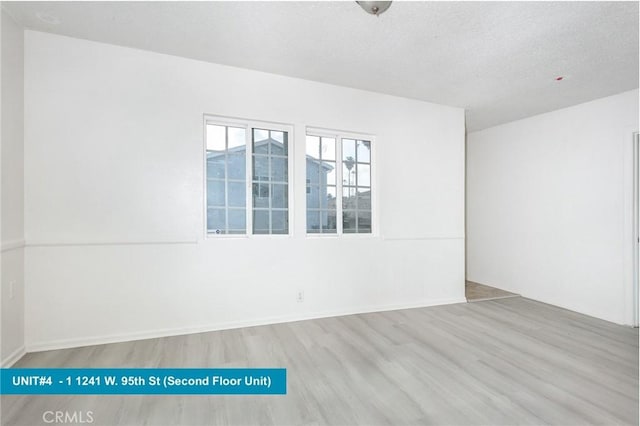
(114, 199)
(549, 207)
(12, 229)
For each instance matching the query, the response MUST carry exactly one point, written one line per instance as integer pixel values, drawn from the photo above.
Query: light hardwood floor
(475, 292)
(502, 362)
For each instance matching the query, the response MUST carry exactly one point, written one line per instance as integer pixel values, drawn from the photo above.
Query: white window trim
(249, 124)
(339, 135)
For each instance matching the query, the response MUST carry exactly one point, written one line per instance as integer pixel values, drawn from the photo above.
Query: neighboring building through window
(230, 209)
(226, 179)
(338, 165)
(321, 185)
(270, 181)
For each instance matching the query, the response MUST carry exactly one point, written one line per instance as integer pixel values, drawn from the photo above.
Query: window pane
(364, 174)
(349, 221)
(237, 166)
(313, 172)
(237, 220)
(331, 197)
(260, 141)
(329, 149)
(269, 166)
(261, 195)
(313, 197)
(364, 222)
(215, 221)
(237, 138)
(237, 194)
(364, 152)
(279, 196)
(364, 199)
(215, 193)
(260, 135)
(328, 197)
(279, 222)
(277, 136)
(328, 171)
(348, 172)
(260, 168)
(215, 165)
(216, 139)
(260, 221)
(313, 221)
(280, 143)
(313, 147)
(279, 169)
(278, 148)
(225, 163)
(348, 149)
(329, 222)
(348, 198)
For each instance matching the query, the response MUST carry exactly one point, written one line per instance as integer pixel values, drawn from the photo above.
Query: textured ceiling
(499, 60)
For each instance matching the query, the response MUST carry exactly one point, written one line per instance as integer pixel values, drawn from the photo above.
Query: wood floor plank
(510, 361)
(476, 292)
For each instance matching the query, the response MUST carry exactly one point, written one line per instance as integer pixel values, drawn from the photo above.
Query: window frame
(339, 135)
(248, 125)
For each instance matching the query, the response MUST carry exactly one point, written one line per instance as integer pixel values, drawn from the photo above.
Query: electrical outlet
(300, 296)
(12, 284)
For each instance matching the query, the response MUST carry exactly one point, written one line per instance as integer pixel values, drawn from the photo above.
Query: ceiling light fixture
(374, 7)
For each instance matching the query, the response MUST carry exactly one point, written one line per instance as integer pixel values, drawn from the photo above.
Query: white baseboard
(13, 357)
(152, 334)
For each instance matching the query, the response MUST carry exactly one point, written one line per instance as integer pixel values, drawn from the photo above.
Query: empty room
(319, 213)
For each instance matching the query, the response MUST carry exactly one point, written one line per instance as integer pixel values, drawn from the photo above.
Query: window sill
(244, 236)
(341, 236)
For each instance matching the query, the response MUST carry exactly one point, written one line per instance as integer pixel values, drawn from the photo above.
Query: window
(321, 185)
(338, 165)
(356, 186)
(226, 179)
(247, 191)
(270, 181)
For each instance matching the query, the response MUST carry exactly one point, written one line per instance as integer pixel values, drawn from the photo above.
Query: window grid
(354, 212)
(327, 186)
(226, 184)
(259, 180)
(323, 213)
(217, 170)
(352, 186)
